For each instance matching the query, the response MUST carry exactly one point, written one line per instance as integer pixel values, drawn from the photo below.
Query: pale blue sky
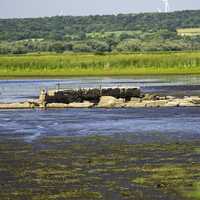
(37, 8)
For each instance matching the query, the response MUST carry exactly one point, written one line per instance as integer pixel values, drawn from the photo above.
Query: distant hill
(108, 31)
(57, 27)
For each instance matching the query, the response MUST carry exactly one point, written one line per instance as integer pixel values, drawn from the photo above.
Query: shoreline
(35, 77)
(62, 74)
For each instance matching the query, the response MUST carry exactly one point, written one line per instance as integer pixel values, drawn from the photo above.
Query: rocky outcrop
(85, 104)
(110, 102)
(20, 105)
(131, 99)
(56, 105)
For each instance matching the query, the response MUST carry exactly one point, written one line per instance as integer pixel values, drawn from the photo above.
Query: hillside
(126, 32)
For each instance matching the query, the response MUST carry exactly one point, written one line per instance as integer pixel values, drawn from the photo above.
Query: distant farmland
(188, 31)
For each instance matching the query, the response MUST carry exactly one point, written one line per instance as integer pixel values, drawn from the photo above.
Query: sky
(40, 8)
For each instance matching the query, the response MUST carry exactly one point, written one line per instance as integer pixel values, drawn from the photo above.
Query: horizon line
(115, 14)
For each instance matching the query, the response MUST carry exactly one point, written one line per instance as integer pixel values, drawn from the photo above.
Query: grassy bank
(99, 167)
(100, 65)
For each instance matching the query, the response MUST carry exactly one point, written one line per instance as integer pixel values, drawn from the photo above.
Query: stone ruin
(93, 95)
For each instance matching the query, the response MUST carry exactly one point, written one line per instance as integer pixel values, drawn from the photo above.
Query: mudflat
(99, 167)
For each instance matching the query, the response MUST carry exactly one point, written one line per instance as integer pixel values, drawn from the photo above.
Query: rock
(156, 103)
(110, 102)
(120, 103)
(20, 105)
(162, 98)
(193, 99)
(186, 104)
(133, 104)
(57, 105)
(170, 97)
(142, 104)
(172, 103)
(34, 103)
(85, 104)
(134, 99)
(150, 97)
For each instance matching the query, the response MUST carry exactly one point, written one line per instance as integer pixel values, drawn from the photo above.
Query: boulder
(57, 105)
(110, 102)
(149, 104)
(134, 99)
(156, 103)
(193, 99)
(150, 97)
(134, 104)
(173, 103)
(186, 104)
(85, 104)
(162, 98)
(170, 97)
(20, 105)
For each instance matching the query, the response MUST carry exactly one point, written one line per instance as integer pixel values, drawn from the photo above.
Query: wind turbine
(159, 10)
(167, 7)
(61, 13)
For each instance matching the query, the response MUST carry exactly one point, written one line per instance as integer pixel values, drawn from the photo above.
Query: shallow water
(179, 123)
(23, 89)
(146, 124)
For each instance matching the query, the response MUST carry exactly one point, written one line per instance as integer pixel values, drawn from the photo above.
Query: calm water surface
(146, 124)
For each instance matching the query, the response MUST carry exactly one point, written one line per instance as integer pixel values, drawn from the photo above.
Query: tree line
(123, 32)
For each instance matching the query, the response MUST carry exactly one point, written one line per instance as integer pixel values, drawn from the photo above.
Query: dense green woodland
(123, 32)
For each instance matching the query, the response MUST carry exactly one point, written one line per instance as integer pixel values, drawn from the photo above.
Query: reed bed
(100, 65)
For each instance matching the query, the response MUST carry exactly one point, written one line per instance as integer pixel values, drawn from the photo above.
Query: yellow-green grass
(188, 31)
(100, 65)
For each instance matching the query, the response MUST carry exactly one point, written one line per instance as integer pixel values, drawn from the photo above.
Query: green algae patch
(195, 193)
(98, 167)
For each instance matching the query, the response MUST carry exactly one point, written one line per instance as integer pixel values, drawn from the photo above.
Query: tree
(81, 47)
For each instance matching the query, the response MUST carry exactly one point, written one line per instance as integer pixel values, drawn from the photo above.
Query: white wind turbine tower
(167, 8)
(61, 13)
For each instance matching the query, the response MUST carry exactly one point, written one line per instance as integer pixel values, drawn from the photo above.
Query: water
(147, 123)
(21, 90)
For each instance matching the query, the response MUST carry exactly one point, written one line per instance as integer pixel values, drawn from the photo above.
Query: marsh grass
(100, 65)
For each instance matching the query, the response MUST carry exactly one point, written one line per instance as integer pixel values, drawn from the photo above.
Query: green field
(100, 65)
(188, 31)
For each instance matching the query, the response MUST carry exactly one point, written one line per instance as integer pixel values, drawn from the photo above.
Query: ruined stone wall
(92, 95)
